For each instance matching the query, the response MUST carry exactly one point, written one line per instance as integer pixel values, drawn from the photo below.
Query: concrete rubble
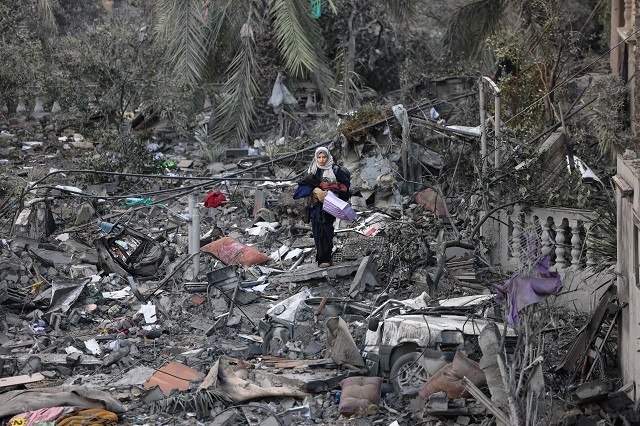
(226, 319)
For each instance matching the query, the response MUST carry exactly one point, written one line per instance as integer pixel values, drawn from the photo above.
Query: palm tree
(201, 35)
(47, 19)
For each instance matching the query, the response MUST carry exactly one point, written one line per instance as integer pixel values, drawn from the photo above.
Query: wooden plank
(21, 380)
(625, 189)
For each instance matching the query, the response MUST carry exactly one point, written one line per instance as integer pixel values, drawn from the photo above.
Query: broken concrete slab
(593, 391)
(135, 376)
(185, 164)
(82, 270)
(364, 276)
(259, 202)
(85, 214)
(53, 359)
(57, 259)
(80, 252)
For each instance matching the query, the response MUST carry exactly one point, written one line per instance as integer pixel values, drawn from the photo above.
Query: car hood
(427, 331)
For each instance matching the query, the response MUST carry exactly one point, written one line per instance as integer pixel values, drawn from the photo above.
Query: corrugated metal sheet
(173, 376)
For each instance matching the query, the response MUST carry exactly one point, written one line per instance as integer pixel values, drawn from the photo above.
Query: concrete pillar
(617, 21)
(38, 109)
(21, 108)
(561, 261)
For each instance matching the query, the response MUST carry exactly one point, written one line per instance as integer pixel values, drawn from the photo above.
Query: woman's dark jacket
(310, 182)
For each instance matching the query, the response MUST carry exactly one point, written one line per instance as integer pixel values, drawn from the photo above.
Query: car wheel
(275, 342)
(408, 375)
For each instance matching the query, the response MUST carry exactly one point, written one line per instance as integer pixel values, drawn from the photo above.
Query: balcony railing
(528, 235)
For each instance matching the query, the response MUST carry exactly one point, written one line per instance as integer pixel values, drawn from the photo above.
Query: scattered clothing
(31, 418)
(334, 187)
(214, 199)
(18, 401)
(92, 417)
(232, 252)
(524, 291)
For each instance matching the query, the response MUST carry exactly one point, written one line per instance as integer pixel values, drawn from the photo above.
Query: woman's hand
(318, 195)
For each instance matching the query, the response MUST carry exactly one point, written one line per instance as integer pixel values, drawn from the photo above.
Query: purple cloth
(524, 291)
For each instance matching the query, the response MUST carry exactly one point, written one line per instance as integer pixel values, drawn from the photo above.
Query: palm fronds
(237, 109)
(44, 9)
(470, 26)
(402, 10)
(299, 39)
(181, 24)
(346, 85)
(602, 237)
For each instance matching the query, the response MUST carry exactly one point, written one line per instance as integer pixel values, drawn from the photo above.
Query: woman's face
(322, 159)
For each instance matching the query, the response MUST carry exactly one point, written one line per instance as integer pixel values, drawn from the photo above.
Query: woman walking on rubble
(323, 175)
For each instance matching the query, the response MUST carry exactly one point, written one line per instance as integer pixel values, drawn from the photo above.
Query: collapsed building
(189, 296)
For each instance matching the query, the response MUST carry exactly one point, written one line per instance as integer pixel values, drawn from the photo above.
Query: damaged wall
(628, 214)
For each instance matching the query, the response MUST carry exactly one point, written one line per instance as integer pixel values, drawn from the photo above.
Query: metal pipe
(192, 204)
(498, 132)
(194, 233)
(483, 129)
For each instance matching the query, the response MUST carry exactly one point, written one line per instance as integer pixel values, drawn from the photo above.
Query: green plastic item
(316, 9)
(165, 164)
(136, 201)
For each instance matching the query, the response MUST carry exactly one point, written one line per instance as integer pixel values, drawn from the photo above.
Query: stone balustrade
(533, 233)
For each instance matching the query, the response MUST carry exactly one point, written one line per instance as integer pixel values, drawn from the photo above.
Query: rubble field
(191, 296)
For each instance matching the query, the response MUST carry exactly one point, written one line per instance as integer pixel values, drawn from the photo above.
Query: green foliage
(568, 191)
(605, 120)
(299, 39)
(46, 15)
(605, 22)
(182, 22)
(111, 66)
(603, 237)
(352, 127)
(210, 147)
(236, 112)
(542, 187)
(22, 55)
(519, 92)
(123, 153)
(470, 26)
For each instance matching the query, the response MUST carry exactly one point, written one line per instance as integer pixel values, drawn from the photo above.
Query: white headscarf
(327, 173)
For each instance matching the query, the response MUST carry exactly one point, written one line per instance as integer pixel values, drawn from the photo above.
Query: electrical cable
(233, 303)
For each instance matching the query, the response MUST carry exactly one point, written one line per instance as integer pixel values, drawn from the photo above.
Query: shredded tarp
(223, 380)
(340, 344)
(522, 291)
(280, 95)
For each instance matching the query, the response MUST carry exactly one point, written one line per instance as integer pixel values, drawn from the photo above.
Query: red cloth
(214, 199)
(333, 187)
(232, 252)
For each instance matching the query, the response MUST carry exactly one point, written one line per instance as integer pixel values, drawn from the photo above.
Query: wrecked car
(409, 341)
